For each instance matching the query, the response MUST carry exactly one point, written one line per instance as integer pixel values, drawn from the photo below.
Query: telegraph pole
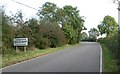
(119, 16)
(118, 2)
(118, 34)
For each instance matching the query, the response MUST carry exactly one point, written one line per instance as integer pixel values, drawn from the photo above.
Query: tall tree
(18, 19)
(108, 25)
(7, 34)
(93, 33)
(65, 17)
(72, 18)
(84, 36)
(47, 12)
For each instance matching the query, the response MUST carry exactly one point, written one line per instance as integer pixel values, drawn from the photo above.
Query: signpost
(21, 42)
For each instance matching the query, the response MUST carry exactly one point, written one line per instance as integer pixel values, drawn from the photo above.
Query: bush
(112, 43)
(53, 33)
(8, 32)
(41, 42)
(41, 35)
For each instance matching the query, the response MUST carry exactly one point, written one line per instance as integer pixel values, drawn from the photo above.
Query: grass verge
(0, 60)
(10, 59)
(109, 64)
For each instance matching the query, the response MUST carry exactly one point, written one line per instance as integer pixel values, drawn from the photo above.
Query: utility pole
(119, 16)
(118, 62)
(118, 34)
(118, 2)
(118, 51)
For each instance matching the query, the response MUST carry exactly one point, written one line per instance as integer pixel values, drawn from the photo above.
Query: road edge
(46, 54)
(100, 58)
(27, 60)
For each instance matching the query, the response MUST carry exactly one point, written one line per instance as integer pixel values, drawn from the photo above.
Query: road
(82, 58)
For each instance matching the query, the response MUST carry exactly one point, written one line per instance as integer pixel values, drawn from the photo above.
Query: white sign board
(20, 41)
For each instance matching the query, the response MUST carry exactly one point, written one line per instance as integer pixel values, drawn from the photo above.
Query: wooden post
(16, 49)
(25, 49)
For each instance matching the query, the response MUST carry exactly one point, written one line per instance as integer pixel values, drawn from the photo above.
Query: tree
(93, 33)
(49, 35)
(47, 12)
(70, 34)
(60, 15)
(7, 34)
(18, 19)
(72, 19)
(67, 16)
(0, 28)
(108, 26)
(84, 36)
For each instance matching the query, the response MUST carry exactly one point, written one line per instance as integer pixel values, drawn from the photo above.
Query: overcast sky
(93, 10)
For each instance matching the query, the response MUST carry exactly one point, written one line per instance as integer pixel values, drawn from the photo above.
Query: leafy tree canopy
(108, 25)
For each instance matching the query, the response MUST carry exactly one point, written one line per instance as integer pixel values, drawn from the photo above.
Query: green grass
(10, 59)
(0, 61)
(109, 64)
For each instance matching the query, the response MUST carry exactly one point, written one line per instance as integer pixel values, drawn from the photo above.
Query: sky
(93, 10)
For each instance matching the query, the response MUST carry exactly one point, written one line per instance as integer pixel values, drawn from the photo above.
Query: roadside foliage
(111, 41)
(54, 27)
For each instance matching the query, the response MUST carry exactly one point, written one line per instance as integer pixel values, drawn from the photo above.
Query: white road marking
(100, 58)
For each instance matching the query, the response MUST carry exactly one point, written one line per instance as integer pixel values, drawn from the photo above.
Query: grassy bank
(0, 61)
(10, 59)
(109, 64)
